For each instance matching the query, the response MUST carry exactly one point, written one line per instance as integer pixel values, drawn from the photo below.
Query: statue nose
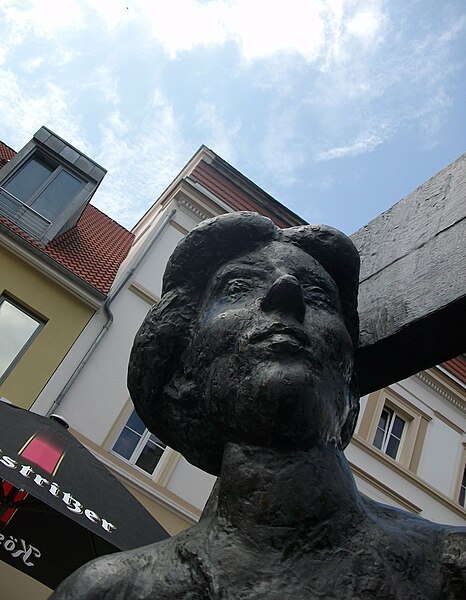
(285, 296)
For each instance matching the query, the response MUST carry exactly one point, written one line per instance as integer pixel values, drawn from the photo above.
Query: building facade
(58, 258)
(97, 403)
(409, 448)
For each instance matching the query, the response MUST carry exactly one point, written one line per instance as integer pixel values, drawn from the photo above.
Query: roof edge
(262, 197)
(54, 269)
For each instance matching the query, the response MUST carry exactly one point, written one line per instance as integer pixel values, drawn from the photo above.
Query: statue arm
(138, 574)
(101, 579)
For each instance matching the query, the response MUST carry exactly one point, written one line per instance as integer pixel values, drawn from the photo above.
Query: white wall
(438, 463)
(190, 483)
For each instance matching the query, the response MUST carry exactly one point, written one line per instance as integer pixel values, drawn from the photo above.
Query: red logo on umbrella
(40, 450)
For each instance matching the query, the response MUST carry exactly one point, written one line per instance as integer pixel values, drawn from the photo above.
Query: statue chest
(337, 574)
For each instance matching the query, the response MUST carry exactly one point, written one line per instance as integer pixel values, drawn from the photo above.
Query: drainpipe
(108, 312)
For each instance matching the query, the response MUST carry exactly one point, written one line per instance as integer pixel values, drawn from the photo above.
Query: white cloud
(181, 25)
(24, 108)
(216, 134)
(373, 92)
(261, 28)
(141, 161)
(105, 83)
(310, 29)
(332, 79)
(114, 13)
(33, 63)
(364, 24)
(362, 144)
(325, 183)
(41, 18)
(62, 56)
(283, 151)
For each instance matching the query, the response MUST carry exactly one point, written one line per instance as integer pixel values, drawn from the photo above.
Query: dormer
(47, 185)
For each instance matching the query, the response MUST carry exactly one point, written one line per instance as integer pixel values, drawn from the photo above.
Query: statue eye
(236, 287)
(314, 294)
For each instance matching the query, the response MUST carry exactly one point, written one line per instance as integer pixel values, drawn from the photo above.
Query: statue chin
(275, 409)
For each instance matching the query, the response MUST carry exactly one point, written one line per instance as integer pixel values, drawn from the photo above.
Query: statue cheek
(222, 330)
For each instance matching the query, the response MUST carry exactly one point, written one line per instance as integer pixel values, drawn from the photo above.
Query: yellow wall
(66, 317)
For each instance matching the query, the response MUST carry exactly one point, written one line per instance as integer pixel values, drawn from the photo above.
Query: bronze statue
(246, 367)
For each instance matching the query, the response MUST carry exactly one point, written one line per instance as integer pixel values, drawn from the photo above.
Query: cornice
(437, 387)
(183, 202)
(207, 194)
(203, 153)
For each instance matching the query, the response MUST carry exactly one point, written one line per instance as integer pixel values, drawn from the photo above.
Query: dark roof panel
(93, 249)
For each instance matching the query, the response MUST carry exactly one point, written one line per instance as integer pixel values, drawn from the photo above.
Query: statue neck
(263, 491)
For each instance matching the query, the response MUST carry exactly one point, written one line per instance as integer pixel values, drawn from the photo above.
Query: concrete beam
(412, 297)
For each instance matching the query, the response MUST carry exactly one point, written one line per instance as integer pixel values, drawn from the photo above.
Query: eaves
(51, 268)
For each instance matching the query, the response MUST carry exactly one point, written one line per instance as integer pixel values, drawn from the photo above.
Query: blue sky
(337, 108)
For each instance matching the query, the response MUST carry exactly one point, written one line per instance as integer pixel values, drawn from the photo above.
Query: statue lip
(279, 330)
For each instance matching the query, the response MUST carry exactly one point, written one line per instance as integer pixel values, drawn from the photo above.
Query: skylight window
(44, 187)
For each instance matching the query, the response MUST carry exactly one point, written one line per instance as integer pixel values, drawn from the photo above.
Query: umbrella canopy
(59, 506)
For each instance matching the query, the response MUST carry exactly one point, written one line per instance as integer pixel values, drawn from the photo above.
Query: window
(47, 185)
(394, 425)
(389, 432)
(17, 330)
(44, 186)
(462, 496)
(139, 446)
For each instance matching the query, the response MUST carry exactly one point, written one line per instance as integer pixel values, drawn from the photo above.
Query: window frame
(388, 432)
(27, 344)
(48, 147)
(138, 449)
(416, 423)
(462, 501)
(57, 169)
(461, 478)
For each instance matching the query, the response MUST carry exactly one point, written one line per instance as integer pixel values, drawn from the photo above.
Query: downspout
(56, 403)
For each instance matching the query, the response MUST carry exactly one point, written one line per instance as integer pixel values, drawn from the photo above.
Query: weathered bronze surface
(412, 295)
(246, 367)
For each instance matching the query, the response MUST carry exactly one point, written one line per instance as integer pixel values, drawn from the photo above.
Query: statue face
(271, 350)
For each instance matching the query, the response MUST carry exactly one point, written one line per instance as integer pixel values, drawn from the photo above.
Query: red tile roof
(93, 249)
(234, 196)
(457, 367)
(6, 154)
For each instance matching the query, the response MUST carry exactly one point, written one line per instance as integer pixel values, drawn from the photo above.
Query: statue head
(252, 341)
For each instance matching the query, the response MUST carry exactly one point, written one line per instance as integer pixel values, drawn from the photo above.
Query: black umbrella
(59, 506)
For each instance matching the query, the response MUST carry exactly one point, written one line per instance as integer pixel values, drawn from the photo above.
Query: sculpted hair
(161, 387)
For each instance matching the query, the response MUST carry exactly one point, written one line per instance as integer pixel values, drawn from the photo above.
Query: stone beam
(412, 297)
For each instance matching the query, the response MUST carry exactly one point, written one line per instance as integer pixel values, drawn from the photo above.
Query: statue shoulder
(151, 572)
(453, 557)
(438, 549)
